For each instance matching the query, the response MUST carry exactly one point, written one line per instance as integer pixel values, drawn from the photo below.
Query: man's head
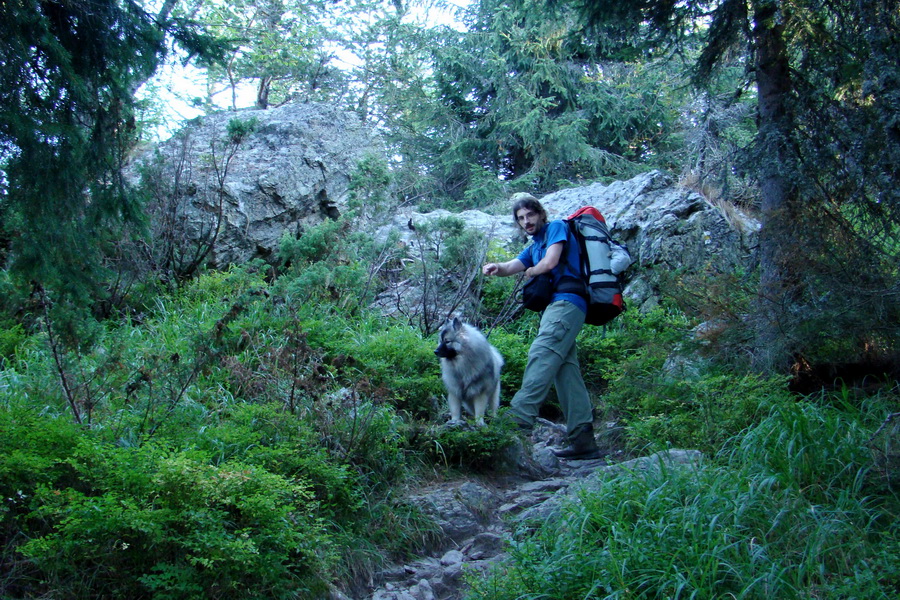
(528, 213)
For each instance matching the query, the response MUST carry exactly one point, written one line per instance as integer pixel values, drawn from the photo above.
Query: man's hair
(526, 200)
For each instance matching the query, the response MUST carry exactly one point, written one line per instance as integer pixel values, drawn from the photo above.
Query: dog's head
(450, 339)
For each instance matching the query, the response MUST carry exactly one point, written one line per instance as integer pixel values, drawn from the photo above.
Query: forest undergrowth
(168, 432)
(246, 436)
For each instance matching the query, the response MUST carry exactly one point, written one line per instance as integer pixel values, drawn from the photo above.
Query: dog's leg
(455, 407)
(495, 400)
(479, 404)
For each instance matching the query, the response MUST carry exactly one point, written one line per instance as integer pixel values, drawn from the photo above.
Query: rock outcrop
(666, 226)
(291, 168)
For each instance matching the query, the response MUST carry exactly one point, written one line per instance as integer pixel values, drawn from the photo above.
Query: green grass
(790, 509)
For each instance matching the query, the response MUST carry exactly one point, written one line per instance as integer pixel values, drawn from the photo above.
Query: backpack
(602, 262)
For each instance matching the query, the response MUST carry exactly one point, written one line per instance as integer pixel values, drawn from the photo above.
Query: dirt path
(477, 516)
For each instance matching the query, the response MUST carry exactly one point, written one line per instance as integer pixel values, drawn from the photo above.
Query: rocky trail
(477, 516)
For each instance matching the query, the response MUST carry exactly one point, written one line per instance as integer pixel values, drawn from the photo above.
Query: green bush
(316, 244)
(514, 349)
(458, 247)
(601, 355)
(12, 335)
(34, 451)
(646, 370)
(630, 351)
(467, 447)
(325, 265)
(215, 288)
(401, 362)
(368, 435)
(150, 521)
(370, 183)
(99, 521)
(287, 445)
(497, 293)
(238, 129)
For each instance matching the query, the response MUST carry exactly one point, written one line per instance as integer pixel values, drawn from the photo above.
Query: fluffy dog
(470, 368)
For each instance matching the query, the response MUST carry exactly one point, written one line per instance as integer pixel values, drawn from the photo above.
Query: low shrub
(140, 522)
(287, 445)
(468, 447)
(399, 361)
(514, 349)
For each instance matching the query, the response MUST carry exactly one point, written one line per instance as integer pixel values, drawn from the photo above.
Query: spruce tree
(68, 73)
(531, 100)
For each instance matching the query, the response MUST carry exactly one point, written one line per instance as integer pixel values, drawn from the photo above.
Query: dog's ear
(455, 324)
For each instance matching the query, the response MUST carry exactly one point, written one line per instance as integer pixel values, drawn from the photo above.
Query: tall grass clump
(700, 412)
(648, 371)
(785, 511)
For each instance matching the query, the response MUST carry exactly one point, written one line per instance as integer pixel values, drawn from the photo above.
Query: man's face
(529, 220)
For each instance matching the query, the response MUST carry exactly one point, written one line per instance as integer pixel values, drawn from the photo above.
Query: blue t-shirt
(569, 263)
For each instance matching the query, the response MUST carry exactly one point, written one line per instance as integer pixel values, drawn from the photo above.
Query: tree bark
(779, 195)
(262, 92)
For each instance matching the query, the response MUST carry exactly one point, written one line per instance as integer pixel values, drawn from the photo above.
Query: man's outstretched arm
(504, 269)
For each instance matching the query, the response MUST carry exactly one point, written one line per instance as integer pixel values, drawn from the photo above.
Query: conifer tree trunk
(779, 195)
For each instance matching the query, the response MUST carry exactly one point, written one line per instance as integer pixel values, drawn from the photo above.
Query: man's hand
(503, 269)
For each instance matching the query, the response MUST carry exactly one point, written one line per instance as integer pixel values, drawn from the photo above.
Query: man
(552, 357)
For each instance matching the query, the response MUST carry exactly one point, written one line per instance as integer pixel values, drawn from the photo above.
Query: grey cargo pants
(552, 358)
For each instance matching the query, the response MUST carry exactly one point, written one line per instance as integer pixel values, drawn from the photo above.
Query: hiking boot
(582, 445)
